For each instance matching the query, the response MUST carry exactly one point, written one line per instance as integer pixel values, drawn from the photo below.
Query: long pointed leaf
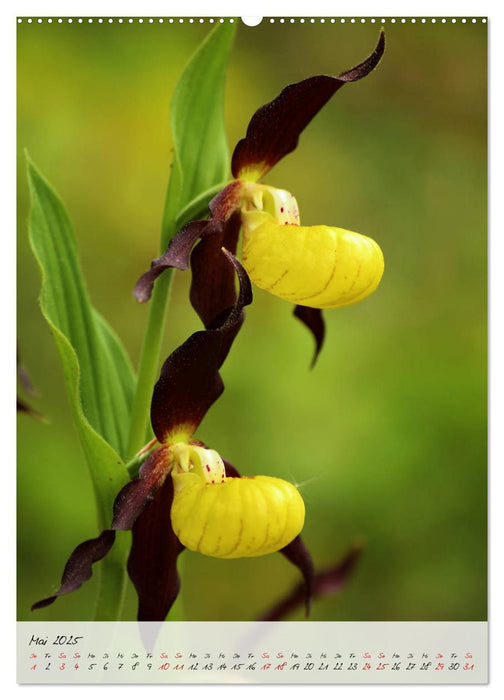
(99, 380)
(122, 381)
(201, 157)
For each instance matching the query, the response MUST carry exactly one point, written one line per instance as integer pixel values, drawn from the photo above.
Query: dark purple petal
(228, 335)
(222, 207)
(314, 321)
(23, 407)
(128, 506)
(324, 583)
(190, 381)
(333, 579)
(24, 377)
(230, 470)
(274, 129)
(224, 204)
(78, 568)
(297, 553)
(368, 65)
(177, 255)
(213, 278)
(133, 498)
(189, 384)
(152, 563)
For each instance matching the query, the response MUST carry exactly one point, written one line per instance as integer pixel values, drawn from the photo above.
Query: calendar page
(252, 349)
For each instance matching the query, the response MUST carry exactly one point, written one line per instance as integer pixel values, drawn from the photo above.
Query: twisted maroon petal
(314, 321)
(133, 498)
(332, 580)
(297, 553)
(78, 567)
(222, 207)
(190, 381)
(274, 130)
(24, 377)
(129, 504)
(152, 563)
(177, 255)
(324, 583)
(24, 407)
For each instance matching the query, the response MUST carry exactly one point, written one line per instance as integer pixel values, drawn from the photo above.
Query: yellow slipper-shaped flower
(318, 266)
(231, 517)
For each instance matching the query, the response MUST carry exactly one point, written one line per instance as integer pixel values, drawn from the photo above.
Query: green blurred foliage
(387, 435)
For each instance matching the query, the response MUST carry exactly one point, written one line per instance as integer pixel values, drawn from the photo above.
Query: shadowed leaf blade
(201, 156)
(99, 378)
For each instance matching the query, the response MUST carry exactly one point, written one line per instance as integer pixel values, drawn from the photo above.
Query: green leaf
(98, 375)
(201, 157)
(122, 380)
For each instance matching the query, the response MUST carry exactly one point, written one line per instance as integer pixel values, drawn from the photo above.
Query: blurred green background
(387, 435)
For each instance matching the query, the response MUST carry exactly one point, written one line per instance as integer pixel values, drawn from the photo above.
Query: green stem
(112, 580)
(149, 360)
(140, 430)
(112, 571)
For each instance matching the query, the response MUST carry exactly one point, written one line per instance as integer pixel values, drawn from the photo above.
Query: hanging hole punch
(252, 21)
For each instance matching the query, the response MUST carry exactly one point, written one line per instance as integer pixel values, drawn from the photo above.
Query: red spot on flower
(282, 209)
(207, 467)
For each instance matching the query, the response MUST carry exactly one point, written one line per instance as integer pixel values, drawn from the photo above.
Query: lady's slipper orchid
(314, 267)
(186, 495)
